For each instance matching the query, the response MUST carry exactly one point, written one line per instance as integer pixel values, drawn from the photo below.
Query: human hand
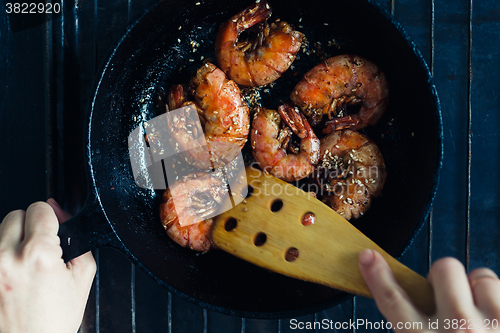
(464, 303)
(38, 291)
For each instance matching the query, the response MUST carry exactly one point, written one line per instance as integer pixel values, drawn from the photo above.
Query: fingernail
(366, 257)
(54, 202)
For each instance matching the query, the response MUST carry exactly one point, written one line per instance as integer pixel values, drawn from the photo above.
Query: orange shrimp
(270, 139)
(261, 60)
(351, 171)
(214, 127)
(341, 83)
(187, 207)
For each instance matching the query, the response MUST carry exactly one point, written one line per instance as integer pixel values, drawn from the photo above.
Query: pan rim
(426, 211)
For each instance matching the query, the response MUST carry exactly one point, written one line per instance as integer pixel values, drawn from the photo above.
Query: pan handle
(86, 231)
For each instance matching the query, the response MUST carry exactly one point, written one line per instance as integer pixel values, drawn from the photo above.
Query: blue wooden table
(47, 72)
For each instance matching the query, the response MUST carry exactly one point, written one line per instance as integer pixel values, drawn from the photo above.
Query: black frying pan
(150, 58)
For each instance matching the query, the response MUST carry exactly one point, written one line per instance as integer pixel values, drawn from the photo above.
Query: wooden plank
(151, 301)
(221, 323)
(485, 151)
(339, 317)
(186, 317)
(22, 117)
(366, 315)
(451, 75)
(259, 326)
(115, 299)
(112, 21)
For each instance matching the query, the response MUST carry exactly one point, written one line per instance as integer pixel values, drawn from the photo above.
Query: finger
(62, 215)
(83, 267)
(391, 299)
(485, 287)
(41, 221)
(451, 287)
(12, 229)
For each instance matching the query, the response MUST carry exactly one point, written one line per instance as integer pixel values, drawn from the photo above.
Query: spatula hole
(260, 239)
(308, 219)
(276, 205)
(291, 254)
(230, 224)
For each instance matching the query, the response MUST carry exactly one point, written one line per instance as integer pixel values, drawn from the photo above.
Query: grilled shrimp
(340, 84)
(270, 138)
(261, 60)
(186, 208)
(351, 171)
(224, 121)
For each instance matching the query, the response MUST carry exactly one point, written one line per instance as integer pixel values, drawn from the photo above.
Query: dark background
(47, 73)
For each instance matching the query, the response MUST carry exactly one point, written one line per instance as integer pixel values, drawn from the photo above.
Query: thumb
(391, 299)
(62, 215)
(84, 266)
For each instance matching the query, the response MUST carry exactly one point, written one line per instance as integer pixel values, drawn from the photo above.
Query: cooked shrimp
(270, 138)
(351, 171)
(214, 127)
(187, 207)
(341, 83)
(261, 60)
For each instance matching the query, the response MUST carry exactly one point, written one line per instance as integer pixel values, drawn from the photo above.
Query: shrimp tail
(245, 19)
(293, 119)
(252, 15)
(177, 95)
(349, 121)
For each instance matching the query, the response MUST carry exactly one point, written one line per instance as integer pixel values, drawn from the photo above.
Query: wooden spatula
(266, 229)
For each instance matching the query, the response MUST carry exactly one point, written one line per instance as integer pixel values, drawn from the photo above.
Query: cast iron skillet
(154, 54)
